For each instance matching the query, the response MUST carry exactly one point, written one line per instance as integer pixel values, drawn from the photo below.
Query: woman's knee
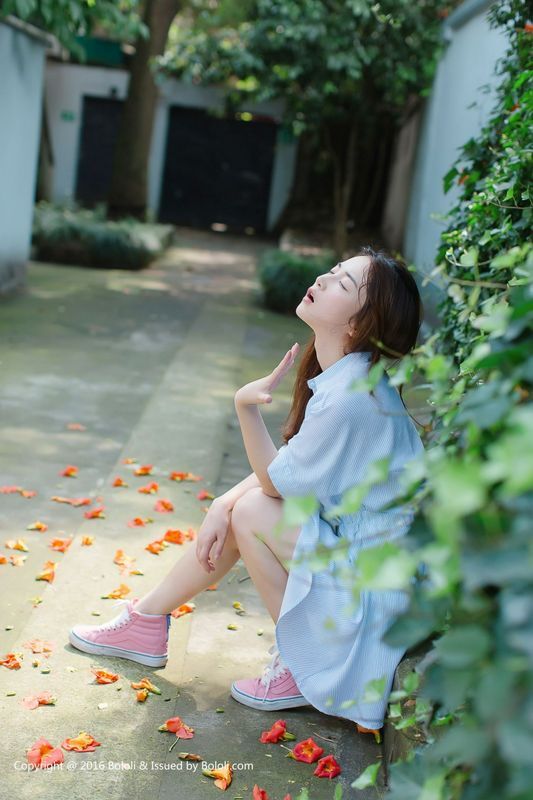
(245, 510)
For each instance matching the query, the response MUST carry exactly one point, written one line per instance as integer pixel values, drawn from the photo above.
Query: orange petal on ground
(139, 522)
(307, 751)
(259, 794)
(186, 608)
(122, 559)
(164, 506)
(175, 536)
(117, 594)
(48, 572)
(142, 694)
(87, 540)
(205, 495)
(156, 546)
(61, 545)
(70, 471)
(42, 754)
(177, 726)
(223, 775)
(32, 701)
(184, 476)
(82, 743)
(27, 493)
(76, 426)
(275, 733)
(39, 646)
(150, 488)
(145, 469)
(3, 559)
(17, 561)
(104, 675)
(119, 482)
(17, 489)
(212, 588)
(11, 660)
(327, 767)
(145, 683)
(37, 526)
(129, 460)
(17, 544)
(96, 513)
(73, 501)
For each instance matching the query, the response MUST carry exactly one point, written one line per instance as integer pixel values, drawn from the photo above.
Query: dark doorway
(99, 130)
(217, 170)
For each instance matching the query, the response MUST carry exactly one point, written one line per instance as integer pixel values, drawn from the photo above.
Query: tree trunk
(375, 184)
(343, 183)
(128, 194)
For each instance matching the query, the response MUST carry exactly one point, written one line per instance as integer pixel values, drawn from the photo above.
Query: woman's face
(337, 296)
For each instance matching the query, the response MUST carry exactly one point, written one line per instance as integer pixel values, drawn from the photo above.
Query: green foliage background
(67, 19)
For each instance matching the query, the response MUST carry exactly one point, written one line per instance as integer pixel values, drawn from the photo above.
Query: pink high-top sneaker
(274, 690)
(131, 634)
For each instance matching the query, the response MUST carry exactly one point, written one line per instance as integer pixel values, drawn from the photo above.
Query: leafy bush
(80, 236)
(286, 276)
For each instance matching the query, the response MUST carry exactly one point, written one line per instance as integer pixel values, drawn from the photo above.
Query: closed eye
(341, 283)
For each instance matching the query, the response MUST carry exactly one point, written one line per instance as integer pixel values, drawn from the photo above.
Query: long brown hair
(387, 326)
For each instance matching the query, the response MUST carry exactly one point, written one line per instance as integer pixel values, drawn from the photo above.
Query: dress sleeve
(337, 441)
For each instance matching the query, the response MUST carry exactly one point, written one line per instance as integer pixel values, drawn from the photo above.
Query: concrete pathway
(149, 363)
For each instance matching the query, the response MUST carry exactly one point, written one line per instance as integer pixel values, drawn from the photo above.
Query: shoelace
(116, 623)
(272, 670)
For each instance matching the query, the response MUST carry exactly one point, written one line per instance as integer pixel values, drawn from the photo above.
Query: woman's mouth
(309, 297)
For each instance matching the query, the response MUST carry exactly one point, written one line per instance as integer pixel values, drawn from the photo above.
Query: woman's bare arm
(229, 498)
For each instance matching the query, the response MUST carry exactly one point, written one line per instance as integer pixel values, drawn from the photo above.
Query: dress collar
(337, 366)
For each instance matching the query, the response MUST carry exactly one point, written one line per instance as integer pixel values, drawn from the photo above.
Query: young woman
(363, 309)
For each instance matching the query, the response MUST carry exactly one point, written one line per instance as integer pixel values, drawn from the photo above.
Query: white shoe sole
(118, 652)
(268, 705)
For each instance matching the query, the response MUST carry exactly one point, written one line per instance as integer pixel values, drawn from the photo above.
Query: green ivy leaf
(463, 645)
(368, 777)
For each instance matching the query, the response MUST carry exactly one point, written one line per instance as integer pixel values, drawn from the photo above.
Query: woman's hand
(259, 391)
(212, 536)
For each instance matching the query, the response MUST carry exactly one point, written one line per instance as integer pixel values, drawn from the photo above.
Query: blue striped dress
(330, 641)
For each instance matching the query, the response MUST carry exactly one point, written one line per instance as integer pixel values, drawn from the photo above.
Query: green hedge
(286, 276)
(85, 237)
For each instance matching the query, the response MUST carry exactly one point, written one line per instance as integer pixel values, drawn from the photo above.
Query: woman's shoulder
(342, 398)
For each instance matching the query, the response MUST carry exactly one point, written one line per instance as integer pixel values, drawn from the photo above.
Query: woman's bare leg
(186, 579)
(262, 548)
(254, 511)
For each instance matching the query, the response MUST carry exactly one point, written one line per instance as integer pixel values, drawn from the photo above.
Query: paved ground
(149, 363)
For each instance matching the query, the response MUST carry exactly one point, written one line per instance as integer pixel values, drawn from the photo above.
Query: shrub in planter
(80, 236)
(286, 276)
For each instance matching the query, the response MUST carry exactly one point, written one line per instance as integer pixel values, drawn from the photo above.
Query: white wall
(66, 84)
(21, 71)
(450, 120)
